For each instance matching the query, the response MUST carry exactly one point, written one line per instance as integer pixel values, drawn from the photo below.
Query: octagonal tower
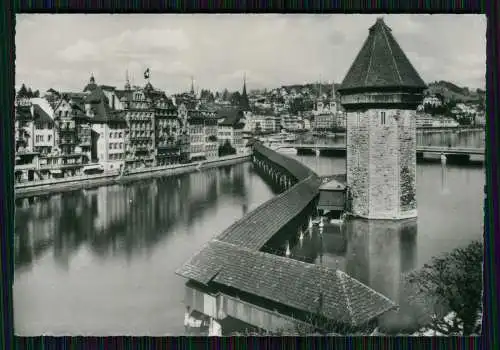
(380, 94)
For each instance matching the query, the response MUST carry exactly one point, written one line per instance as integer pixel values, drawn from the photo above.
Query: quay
(233, 270)
(110, 177)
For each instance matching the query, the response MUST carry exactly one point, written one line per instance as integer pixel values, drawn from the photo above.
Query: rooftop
(286, 281)
(255, 229)
(381, 63)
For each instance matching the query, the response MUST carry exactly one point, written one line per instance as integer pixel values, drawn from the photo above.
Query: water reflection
(121, 219)
(376, 252)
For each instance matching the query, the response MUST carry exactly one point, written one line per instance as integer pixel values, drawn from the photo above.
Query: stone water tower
(380, 94)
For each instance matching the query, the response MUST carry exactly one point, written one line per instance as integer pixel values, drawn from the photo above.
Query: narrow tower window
(382, 117)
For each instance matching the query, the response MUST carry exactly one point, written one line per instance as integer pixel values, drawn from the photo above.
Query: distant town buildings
(63, 133)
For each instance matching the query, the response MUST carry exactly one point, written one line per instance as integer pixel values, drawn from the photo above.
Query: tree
(23, 92)
(453, 281)
(226, 149)
(225, 95)
(235, 98)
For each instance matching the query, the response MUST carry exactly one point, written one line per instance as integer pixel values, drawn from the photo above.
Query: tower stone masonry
(380, 94)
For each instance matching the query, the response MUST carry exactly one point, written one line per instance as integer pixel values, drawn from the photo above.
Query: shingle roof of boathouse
(381, 63)
(286, 281)
(257, 227)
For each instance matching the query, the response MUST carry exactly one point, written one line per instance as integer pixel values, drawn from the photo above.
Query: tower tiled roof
(381, 63)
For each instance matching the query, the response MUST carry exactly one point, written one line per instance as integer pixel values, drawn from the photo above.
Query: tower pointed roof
(245, 104)
(381, 63)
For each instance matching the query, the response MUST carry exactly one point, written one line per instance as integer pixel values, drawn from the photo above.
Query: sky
(61, 51)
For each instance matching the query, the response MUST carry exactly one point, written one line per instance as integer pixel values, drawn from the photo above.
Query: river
(102, 261)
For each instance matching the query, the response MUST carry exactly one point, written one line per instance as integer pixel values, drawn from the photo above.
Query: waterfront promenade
(42, 187)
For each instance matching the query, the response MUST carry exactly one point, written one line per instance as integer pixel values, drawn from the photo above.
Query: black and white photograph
(249, 174)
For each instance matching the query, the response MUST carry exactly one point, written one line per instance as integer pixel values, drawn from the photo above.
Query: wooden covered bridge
(231, 276)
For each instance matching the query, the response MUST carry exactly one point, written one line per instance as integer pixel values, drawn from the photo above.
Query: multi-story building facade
(23, 125)
(44, 131)
(140, 133)
(210, 131)
(196, 125)
(108, 141)
(65, 161)
(230, 129)
(167, 131)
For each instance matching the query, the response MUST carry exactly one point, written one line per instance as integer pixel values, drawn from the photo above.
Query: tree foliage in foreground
(453, 281)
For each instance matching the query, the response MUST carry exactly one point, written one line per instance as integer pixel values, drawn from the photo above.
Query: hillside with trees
(452, 92)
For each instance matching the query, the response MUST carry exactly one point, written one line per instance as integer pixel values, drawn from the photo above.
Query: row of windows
(116, 146)
(197, 148)
(141, 126)
(382, 115)
(195, 130)
(116, 156)
(41, 138)
(197, 138)
(39, 126)
(224, 133)
(116, 135)
(142, 144)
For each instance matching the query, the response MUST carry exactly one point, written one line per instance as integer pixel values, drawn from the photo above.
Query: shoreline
(46, 187)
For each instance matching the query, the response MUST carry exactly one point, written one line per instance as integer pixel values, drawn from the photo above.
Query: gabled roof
(381, 63)
(104, 115)
(231, 117)
(287, 281)
(40, 115)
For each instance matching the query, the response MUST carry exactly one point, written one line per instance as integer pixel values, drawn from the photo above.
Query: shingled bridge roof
(260, 225)
(233, 259)
(286, 281)
(381, 63)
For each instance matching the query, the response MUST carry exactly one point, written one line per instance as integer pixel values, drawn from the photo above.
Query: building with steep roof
(380, 94)
(230, 129)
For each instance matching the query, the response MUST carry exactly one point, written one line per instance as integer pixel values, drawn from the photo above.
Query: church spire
(127, 81)
(192, 86)
(244, 98)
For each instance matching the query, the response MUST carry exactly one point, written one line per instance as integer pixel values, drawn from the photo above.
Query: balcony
(67, 141)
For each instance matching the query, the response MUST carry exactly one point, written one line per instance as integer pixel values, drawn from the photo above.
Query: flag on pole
(146, 74)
